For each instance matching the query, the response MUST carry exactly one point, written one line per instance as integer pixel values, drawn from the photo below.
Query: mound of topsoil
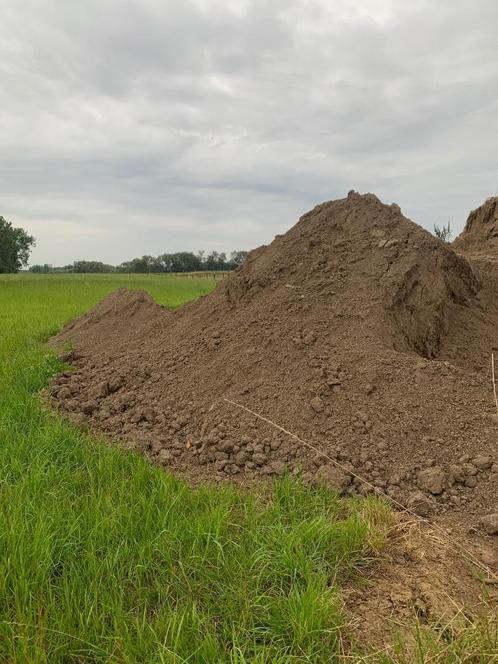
(357, 330)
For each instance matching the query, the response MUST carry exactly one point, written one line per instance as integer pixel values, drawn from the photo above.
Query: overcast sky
(132, 127)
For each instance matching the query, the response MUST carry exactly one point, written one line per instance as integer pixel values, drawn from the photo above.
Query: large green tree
(15, 247)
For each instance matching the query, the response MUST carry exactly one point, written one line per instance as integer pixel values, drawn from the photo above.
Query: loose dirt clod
(357, 330)
(490, 523)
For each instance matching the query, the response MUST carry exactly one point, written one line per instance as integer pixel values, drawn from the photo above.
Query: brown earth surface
(357, 330)
(479, 241)
(421, 580)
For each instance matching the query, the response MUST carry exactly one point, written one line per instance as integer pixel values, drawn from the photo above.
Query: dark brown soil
(357, 330)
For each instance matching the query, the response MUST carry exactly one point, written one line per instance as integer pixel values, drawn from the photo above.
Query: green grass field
(104, 558)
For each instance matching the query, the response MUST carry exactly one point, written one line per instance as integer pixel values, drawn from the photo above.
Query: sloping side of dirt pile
(480, 236)
(351, 330)
(479, 245)
(120, 319)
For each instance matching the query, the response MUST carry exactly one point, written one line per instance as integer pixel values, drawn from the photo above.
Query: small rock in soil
(334, 477)
(164, 456)
(259, 458)
(490, 523)
(457, 473)
(277, 468)
(469, 469)
(64, 393)
(115, 383)
(482, 462)
(89, 407)
(419, 503)
(432, 480)
(317, 404)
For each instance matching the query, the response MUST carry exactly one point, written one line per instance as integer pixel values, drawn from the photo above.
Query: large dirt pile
(356, 330)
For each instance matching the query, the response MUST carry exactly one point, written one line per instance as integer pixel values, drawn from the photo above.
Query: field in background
(104, 558)
(63, 296)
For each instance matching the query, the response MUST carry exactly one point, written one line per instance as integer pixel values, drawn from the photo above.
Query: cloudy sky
(132, 127)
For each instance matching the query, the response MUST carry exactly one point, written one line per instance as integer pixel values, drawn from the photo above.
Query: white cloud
(170, 125)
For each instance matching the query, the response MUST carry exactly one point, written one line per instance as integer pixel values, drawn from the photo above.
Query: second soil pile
(357, 330)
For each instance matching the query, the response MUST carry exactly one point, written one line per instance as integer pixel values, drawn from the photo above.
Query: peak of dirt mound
(115, 321)
(356, 330)
(479, 238)
(362, 257)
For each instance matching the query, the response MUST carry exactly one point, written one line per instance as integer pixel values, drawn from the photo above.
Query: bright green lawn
(104, 558)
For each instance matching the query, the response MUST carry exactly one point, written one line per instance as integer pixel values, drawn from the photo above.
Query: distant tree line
(16, 244)
(182, 261)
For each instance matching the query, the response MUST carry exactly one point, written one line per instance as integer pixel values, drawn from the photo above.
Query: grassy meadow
(104, 558)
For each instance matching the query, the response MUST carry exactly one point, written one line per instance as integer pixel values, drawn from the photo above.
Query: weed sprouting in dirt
(444, 232)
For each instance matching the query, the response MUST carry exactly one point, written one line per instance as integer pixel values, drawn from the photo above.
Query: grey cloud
(215, 124)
